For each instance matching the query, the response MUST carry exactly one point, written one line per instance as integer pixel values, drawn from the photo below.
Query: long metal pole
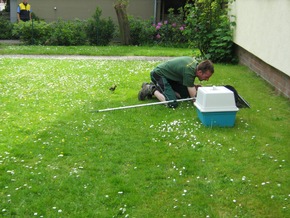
(142, 105)
(155, 11)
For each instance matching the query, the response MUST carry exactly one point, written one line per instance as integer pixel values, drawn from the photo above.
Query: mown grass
(96, 50)
(59, 160)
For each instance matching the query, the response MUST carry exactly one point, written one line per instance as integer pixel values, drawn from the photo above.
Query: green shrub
(141, 31)
(36, 32)
(100, 31)
(170, 32)
(221, 45)
(209, 29)
(167, 33)
(6, 28)
(68, 33)
(95, 31)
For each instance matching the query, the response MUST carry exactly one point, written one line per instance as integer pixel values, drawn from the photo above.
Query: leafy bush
(170, 32)
(167, 33)
(96, 31)
(221, 46)
(68, 33)
(141, 31)
(36, 32)
(6, 28)
(100, 31)
(209, 29)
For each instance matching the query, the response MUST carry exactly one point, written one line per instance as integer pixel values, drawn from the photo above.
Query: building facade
(262, 36)
(52, 10)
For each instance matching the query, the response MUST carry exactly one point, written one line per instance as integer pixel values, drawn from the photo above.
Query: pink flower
(165, 22)
(174, 24)
(159, 24)
(158, 27)
(158, 36)
(181, 28)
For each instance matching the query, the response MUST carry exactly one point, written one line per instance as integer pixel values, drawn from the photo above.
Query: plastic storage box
(216, 106)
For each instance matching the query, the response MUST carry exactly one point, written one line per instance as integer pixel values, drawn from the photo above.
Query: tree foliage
(210, 29)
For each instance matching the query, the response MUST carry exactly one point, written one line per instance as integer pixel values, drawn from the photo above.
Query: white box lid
(215, 99)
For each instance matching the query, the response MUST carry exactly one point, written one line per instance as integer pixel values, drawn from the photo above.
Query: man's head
(204, 70)
(25, 1)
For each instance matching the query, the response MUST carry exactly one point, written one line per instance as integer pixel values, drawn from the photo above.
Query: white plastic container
(216, 106)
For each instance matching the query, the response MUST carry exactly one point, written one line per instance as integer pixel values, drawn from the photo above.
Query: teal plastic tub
(222, 119)
(216, 106)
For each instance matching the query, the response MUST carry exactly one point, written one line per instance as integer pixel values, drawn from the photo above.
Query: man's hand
(192, 91)
(197, 86)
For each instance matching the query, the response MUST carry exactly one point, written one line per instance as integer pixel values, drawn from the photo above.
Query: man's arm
(192, 91)
(18, 13)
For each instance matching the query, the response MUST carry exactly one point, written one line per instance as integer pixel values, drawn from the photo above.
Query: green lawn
(96, 50)
(59, 160)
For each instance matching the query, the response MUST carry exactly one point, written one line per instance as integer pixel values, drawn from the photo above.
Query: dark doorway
(175, 4)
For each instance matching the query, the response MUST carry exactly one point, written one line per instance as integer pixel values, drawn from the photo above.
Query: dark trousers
(169, 88)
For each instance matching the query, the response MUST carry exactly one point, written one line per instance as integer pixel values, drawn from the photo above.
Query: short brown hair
(205, 66)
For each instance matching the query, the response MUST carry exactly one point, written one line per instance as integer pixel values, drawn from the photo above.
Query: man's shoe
(152, 89)
(145, 92)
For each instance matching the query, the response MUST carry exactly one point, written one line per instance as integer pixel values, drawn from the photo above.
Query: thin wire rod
(141, 105)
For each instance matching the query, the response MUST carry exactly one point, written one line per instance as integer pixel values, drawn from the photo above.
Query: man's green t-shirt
(181, 70)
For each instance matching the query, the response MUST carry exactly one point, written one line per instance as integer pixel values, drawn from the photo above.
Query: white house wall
(263, 29)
